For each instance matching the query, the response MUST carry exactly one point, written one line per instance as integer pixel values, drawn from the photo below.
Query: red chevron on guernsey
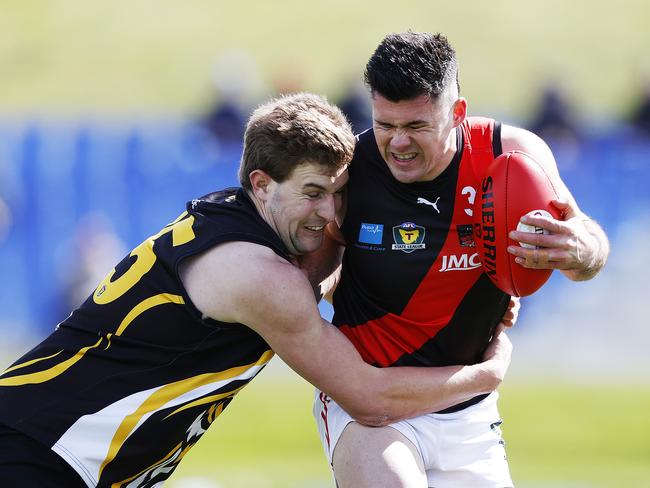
(382, 342)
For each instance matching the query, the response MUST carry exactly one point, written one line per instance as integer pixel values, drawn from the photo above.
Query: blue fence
(140, 176)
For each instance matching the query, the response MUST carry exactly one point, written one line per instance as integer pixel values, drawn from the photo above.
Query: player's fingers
(547, 223)
(559, 241)
(538, 258)
(544, 259)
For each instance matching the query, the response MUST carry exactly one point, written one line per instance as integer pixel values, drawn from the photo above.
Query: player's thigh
(471, 450)
(377, 457)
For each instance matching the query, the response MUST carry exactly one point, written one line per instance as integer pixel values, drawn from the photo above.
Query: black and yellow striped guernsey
(129, 382)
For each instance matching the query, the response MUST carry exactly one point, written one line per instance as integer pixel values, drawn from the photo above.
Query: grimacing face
(300, 207)
(416, 137)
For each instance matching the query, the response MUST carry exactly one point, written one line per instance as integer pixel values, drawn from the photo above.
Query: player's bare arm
(274, 298)
(576, 245)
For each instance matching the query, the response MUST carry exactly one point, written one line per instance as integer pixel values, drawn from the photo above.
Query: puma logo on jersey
(460, 263)
(427, 202)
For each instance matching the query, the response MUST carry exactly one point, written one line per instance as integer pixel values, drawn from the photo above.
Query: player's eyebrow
(313, 186)
(407, 124)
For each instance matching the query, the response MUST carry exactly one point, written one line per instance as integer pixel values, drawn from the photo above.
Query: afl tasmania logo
(408, 237)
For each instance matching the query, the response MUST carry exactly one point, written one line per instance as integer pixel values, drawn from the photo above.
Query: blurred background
(114, 114)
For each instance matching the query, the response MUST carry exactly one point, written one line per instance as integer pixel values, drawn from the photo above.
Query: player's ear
(261, 183)
(459, 111)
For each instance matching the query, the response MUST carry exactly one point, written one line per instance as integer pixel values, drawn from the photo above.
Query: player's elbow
(371, 416)
(374, 408)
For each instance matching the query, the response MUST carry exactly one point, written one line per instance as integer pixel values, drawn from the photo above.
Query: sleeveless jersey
(129, 382)
(412, 291)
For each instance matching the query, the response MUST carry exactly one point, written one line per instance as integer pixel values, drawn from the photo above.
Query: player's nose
(327, 207)
(400, 140)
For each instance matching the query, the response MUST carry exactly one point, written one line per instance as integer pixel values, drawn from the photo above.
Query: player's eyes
(384, 126)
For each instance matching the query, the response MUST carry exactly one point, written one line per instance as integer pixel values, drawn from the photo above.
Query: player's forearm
(407, 392)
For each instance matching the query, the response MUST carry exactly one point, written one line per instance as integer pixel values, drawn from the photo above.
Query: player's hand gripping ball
(513, 186)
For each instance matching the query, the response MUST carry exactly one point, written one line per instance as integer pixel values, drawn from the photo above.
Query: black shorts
(26, 463)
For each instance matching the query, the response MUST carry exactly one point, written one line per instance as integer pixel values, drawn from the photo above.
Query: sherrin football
(513, 186)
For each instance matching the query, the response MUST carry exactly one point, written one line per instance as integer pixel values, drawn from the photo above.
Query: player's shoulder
(518, 139)
(480, 131)
(476, 122)
(227, 277)
(248, 258)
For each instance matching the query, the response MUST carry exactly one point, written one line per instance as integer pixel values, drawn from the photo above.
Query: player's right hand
(498, 353)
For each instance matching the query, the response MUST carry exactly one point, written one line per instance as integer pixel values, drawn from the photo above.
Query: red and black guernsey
(412, 291)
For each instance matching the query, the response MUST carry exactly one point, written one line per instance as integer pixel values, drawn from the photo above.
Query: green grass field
(557, 436)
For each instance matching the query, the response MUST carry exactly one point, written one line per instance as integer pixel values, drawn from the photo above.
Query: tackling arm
(275, 299)
(576, 245)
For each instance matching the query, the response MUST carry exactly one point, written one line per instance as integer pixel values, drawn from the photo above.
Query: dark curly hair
(410, 64)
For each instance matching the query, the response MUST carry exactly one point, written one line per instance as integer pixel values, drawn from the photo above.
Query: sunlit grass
(560, 435)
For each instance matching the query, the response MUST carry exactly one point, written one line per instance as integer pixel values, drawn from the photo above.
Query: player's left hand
(569, 245)
(510, 317)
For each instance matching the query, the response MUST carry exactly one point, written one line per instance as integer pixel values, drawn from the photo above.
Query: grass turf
(558, 435)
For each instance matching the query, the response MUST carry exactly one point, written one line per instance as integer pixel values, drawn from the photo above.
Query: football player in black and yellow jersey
(129, 382)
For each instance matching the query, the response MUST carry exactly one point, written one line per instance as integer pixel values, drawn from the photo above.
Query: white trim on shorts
(458, 449)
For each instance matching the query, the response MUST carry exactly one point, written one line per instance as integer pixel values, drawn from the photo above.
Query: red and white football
(513, 185)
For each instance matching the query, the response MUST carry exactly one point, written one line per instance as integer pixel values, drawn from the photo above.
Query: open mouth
(315, 228)
(404, 157)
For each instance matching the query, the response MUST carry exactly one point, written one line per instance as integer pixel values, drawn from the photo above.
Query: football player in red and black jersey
(411, 290)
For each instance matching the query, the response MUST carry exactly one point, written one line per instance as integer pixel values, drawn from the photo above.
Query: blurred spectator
(236, 84)
(356, 106)
(226, 121)
(289, 77)
(640, 115)
(554, 120)
(5, 220)
(94, 250)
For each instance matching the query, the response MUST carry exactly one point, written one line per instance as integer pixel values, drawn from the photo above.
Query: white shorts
(459, 449)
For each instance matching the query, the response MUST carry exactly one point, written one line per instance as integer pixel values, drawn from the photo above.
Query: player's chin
(307, 244)
(404, 175)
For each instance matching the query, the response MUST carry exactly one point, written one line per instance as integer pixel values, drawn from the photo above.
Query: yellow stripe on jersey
(48, 374)
(181, 228)
(29, 363)
(145, 305)
(208, 399)
(166, 393)
(110, 290)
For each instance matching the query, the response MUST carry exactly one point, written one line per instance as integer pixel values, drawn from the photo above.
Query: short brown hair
(292, 130)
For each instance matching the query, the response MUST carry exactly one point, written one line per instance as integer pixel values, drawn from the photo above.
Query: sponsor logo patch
(371, 233)
(459, 263)
(408, 237)
(465, 235)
